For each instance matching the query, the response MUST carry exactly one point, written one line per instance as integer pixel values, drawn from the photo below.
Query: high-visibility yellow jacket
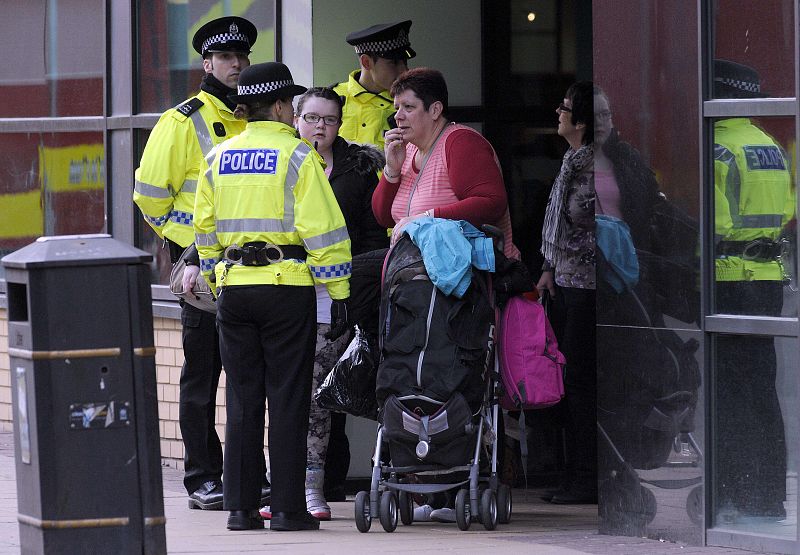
(364, 113)
(166, 179)
(267, 185)
(754, 196)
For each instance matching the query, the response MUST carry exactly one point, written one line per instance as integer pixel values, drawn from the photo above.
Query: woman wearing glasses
(568, 274)
(352, 170)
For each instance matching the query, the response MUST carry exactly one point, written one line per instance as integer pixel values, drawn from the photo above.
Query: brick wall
(169, 359)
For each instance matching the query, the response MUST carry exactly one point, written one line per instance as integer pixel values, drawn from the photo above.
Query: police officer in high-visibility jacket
(268, 228)
(164, 191)
(754, 200)
(383, 53)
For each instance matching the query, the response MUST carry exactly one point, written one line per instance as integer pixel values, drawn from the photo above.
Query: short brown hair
(428, 84)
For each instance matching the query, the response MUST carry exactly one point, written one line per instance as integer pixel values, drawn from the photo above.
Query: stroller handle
(495, 233)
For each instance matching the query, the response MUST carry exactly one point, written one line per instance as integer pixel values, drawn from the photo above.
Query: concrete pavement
(536, 527)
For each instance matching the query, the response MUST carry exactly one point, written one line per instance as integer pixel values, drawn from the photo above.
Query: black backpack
(434, 350)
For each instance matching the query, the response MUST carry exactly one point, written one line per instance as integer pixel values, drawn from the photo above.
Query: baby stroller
(437, 395)
(648, 379)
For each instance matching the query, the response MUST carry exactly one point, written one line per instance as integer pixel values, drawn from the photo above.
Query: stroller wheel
(628, 506)
(694, 505)
(406, 507)
(649, 504)
(503, 504)
(388, 511)
(489, 509)
(362, 512)
(463, 514)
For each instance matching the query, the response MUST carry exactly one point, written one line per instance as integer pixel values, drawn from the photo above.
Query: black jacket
(353, 180)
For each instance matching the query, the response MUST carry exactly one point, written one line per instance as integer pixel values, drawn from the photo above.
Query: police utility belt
(261, 253)
(758, 250)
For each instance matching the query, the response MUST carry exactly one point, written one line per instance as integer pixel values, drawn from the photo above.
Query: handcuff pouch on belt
(757, 250)
(261, 253)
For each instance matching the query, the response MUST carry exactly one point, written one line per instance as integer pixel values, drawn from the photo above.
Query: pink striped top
(434, 189)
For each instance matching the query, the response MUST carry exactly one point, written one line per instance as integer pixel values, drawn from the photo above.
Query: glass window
(754, 203)
(50, 184)
(650, 441)
(756, 42)
(646, 131)
(755, 475)
(169, 68)
(54, 74)
(650, 358)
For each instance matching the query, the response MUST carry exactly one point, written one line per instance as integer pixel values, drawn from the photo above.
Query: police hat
(226, 34)
(734, 80)
(265, 83)
(386, 40)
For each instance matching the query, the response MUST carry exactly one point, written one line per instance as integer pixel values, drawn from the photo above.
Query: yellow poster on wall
(22, 215)
(72, 168)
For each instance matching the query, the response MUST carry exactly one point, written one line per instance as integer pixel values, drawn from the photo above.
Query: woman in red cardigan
(435, 167)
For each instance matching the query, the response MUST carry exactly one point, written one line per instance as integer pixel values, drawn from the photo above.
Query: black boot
(245, 520)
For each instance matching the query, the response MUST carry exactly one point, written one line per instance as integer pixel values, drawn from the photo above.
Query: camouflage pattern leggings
(319, 420)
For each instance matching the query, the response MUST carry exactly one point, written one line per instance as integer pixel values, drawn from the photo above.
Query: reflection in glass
(50, 184)
(755, 485)
(650, 402)
(647, 246)
(650, 445)
(760, 35)
(55, 74)
(753, 209)
(169, 68)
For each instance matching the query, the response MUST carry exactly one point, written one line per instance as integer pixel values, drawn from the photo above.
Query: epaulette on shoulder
(341, 96)
(189, 107)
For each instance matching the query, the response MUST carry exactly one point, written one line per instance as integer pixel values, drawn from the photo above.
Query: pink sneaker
(265, 512)
(315, 498)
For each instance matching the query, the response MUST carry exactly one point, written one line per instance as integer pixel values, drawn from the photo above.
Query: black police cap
(735, 80)
(386, 40)
(264, 83)
(225, 34)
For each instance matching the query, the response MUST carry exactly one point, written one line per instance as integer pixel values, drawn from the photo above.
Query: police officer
(754, 200)
(164, 191)
(269, 228)
(383, 53)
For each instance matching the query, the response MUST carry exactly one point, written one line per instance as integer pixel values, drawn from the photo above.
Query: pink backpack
(531, 366)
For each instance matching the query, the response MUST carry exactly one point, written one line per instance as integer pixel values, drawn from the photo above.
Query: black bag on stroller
(435, 349)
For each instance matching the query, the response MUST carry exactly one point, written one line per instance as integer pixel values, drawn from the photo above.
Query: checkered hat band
(261, 88)
(224, 37)
(748, 86)
(383, 45)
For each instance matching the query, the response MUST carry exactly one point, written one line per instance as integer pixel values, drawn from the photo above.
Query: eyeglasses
(314, 118)
(562, 108)
(605, 115)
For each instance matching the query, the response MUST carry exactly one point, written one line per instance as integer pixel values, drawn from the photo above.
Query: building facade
(78, 106)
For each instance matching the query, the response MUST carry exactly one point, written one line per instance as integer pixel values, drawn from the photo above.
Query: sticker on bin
(88, 416)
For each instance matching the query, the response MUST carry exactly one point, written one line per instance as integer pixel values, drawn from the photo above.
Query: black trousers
(751, 446)
(267, 340)
(573, 318)
(198, 398)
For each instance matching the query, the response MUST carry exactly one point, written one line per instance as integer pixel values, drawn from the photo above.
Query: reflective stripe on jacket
(754, 197)
(364, 114)
(267, 185)
(166, 179)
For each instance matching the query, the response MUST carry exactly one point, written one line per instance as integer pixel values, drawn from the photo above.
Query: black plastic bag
(350, 386)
